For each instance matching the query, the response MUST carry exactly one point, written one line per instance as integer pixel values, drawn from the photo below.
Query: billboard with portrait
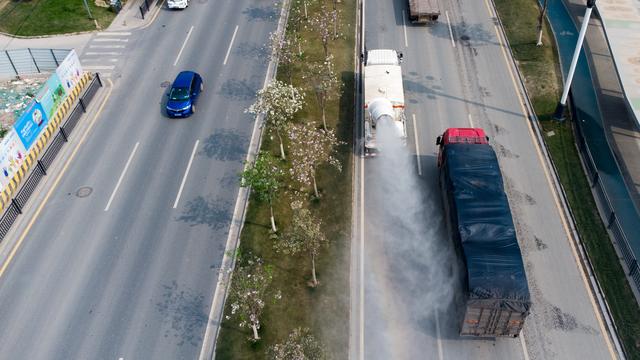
(31, 124)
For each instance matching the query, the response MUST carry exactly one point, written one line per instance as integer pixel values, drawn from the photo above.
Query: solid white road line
(450, 30)
(415, 132)
(183, 45)
(111, 40)
(361, 258)
(114, 33)
(226, 57)
(470, 121)
(184, 178)
(439, 338)
(124, 171)
(524, 345)
(106, 46)
(404, 27)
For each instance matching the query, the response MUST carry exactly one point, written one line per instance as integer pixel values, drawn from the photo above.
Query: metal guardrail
(29, 186)
(30, 61)
(602, 198)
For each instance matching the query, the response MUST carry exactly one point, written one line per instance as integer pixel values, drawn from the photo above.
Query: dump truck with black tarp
(496, 295)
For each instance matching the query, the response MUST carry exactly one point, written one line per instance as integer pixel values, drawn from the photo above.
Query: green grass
(542, 76)
(324, 309)
(49, 17)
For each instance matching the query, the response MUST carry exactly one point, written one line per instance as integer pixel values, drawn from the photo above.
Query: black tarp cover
(481, 220)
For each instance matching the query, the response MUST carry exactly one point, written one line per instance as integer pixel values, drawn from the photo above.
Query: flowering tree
(247, 293)
(286, 50)
(264, 178)
(304, 236)
(321, 23)
(300, 345)
(311, 147)
(326, 86)
(278, 102)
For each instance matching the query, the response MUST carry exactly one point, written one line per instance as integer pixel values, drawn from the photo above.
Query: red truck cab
(460, 136)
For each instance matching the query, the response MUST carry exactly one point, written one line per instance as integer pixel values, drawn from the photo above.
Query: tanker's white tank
(383, 95)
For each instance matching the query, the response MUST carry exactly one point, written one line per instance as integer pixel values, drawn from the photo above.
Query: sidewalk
(128, 19)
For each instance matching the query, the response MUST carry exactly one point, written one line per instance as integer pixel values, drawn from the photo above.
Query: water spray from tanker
(416, 272)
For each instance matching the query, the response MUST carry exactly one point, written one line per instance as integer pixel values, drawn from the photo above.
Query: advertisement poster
(12, 154)
(69, 71)
(31, 123)
(51, 95)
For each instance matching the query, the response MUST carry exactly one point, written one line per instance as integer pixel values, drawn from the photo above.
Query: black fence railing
(607, 211)
(146, 6)
(39, 170)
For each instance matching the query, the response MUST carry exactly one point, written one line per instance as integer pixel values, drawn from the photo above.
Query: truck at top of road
(423, 11)
(383, 95)
(496, 294)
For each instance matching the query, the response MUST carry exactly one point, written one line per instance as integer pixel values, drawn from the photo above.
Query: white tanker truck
(383, 95)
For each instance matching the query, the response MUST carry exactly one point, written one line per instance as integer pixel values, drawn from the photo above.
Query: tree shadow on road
(206, 211)
(225, 145)
(264, 13)
(186, 313)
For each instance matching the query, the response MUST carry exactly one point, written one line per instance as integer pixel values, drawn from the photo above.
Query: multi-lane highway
(457, 73)
(122, 260)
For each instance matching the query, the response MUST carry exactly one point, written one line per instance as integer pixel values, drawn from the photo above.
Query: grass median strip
(50, 17)
(322, 309)
(539, 66)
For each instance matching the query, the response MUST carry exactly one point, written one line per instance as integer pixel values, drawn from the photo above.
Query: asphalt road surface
(126, 267)
(456, 74)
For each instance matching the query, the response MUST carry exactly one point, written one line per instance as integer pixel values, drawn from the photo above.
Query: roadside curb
(225, 273)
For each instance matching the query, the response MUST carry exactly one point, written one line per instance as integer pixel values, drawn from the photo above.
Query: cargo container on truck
(423, 11)
(496, 298)
(383, 96)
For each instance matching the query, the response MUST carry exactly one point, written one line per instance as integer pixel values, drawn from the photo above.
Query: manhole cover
(84, 191)
(165, 84)
(464, 38)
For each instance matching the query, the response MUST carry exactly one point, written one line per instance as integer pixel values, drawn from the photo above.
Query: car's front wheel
(193, 109)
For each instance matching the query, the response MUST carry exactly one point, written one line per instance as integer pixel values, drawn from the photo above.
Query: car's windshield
(179, 94)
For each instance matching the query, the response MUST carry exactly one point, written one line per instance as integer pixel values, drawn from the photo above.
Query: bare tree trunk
(541, 22)
(314, 279)
(335, 21)
(324, 119)
(305, 9)
(255, 331)
(315, 186)
(281, 145)
(273, 220)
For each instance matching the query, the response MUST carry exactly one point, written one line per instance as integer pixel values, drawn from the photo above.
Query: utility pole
(541, 22)
(559, 113)
(86, 6)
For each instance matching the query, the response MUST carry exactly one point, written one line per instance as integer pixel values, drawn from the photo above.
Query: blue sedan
(184, 93)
